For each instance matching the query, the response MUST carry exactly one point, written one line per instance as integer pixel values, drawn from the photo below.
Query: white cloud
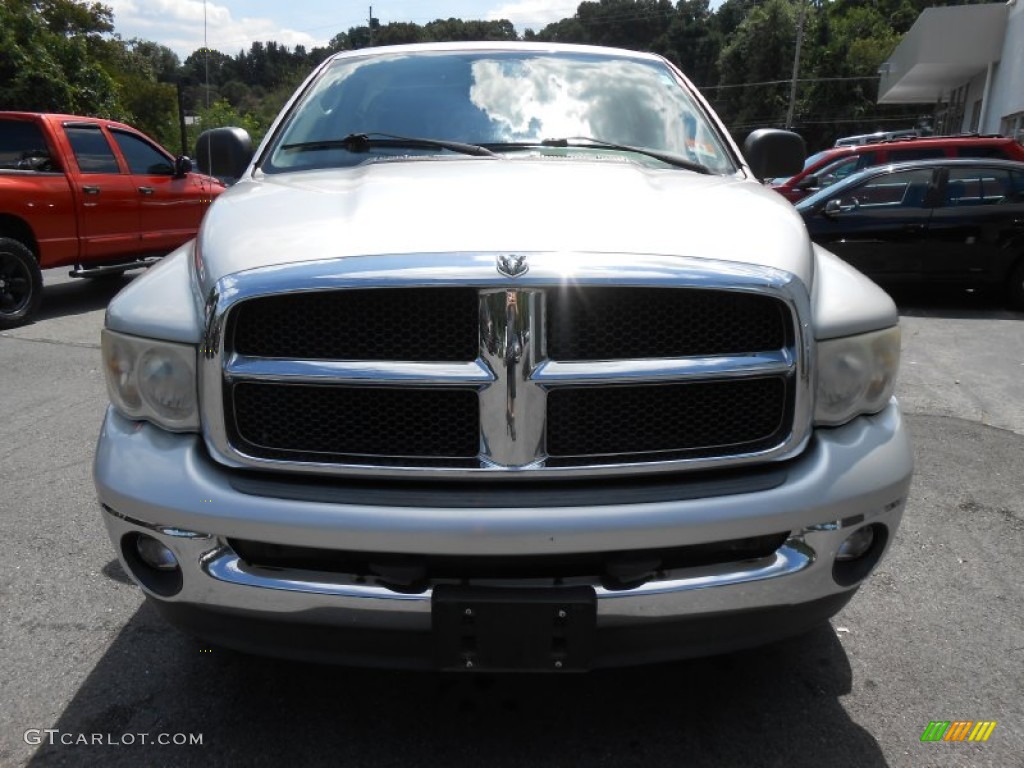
(532, 14)
(178, 24)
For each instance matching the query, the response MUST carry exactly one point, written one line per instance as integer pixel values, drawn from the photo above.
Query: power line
(761, 122)
(787, 81)
(915, 116)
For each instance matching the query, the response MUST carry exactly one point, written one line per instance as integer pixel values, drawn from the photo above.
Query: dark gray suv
(951, 221)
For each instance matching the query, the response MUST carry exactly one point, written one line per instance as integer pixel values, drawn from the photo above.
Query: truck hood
(519, 205)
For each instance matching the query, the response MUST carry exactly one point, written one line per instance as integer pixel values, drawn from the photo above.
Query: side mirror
(809, 182)
(182, 166)
(35, 161)
(224, 152)
(832, 208)
(771, 152)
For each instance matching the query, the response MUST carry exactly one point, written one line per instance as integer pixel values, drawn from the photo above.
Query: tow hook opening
(859, 554)
(152, 563)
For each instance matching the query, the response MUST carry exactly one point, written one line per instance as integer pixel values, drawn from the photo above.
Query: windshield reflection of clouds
(546, 97)
(499, 98)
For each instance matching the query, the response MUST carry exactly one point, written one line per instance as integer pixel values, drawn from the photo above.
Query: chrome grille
(628, 365)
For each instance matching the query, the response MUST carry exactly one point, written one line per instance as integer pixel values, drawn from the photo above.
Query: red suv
(835, 164)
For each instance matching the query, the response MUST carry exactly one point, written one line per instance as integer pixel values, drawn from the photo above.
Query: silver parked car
(499, 357)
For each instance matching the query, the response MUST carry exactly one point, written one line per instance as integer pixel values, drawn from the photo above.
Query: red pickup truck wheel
(21, 283)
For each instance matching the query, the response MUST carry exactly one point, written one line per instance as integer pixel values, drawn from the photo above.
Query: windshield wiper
(364, 142)
(588, 142)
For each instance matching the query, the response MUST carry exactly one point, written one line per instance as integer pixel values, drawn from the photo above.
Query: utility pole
(181, 117)
(369, 22)
(796, 65)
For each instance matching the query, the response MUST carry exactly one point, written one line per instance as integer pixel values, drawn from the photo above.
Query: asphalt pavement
(935, 634)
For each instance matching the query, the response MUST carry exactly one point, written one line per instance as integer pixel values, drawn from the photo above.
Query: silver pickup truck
(499, 357)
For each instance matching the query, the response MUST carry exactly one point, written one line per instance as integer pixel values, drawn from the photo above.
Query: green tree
(151, 107)
(50, 58)
(340, 42)
(62, 55)
(445, 30)
(221, 114)
(145, 74)
(569, 30)
(157, 61)
(69, 18)
(692, 41)
(844, 48)
(203, 72)
(358, 37)
(635, 24)
(759, 51)
(398, 33)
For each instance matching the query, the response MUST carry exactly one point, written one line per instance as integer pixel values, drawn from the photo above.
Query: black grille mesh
(281, 420)
(415, 325)
(427, 568)
(746, 413)
(623, 323)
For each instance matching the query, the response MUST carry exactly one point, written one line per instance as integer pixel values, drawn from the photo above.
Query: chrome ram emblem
(512, 264)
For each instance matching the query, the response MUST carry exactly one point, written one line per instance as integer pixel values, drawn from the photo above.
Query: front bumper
(150, 481)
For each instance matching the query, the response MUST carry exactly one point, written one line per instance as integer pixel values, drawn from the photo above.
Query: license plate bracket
(485, 629)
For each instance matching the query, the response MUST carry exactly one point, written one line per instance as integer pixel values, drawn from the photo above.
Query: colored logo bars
(958, 730)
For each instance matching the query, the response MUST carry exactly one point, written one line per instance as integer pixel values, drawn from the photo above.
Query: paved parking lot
(935, 635)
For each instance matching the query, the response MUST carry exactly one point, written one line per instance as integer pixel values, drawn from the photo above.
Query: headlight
(152, 380)
(856, 375)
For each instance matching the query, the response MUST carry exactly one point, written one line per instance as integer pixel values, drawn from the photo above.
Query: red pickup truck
(93, 194)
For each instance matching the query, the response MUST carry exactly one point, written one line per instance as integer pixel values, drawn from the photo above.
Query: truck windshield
(513, 103)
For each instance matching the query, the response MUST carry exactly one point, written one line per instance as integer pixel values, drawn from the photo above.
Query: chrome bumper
(215, 577)
(154, 482)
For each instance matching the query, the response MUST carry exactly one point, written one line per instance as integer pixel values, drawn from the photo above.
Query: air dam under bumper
(164, 485)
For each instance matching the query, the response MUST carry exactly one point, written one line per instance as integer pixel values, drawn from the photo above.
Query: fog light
(856, 544)
(859, 554)
(155, 554)
(152, 564)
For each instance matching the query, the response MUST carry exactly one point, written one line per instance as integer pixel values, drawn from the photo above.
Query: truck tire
(21, 283)
(1017, 286)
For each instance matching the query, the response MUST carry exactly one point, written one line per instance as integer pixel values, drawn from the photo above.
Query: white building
(968, 60)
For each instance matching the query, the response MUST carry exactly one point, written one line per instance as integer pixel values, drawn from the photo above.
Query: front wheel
(21, 283)
(1017, 286)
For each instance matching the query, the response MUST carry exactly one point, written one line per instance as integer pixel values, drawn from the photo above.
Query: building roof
(946, 47)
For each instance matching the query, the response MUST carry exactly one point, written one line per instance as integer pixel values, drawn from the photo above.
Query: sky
(233, 25)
